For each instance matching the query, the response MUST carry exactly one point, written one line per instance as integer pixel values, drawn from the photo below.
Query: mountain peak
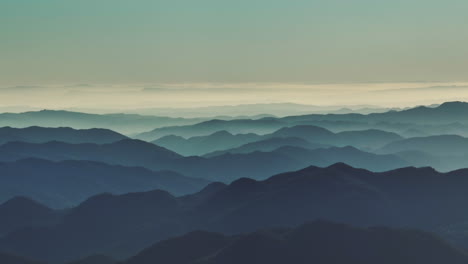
(221, 133)
(340, 166)
(453, 106)
(20, 201)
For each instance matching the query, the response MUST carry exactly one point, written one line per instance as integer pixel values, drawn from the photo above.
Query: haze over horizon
(117, 55)
(140, 98)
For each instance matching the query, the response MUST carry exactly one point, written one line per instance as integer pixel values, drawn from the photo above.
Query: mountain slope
(124, 123)
(223, 140)
(316, 242)
(260, 165)
(370, 138)
(446, 145)
(200, 145)
(66, 183)
(226, 167)
(268, 145)
(124, 152)
(64, 134)
(21, 212)
(237, 126)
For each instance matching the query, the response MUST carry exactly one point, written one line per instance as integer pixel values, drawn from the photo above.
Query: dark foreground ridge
(316, 242)
(121, 225)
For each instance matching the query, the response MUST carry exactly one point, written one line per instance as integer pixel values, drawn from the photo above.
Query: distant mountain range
(278, 109)
(447, 118)
(120, 225)
(123, 123)
(238, 126)
(67, 183)
(320, 137)
(64, 134)
(446, 113)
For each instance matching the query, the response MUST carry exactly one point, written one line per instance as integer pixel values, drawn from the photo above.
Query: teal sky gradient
(123, 41)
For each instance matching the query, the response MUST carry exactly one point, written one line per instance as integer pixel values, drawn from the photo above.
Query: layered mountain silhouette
(445, 145)
(124, 152)
(73, 191)
(64, 134)
(315, 242)
(363, 139)
(226, 167)
(446, 113)
(238, 126)
(268, 145)
(67, 183)
(445, 152)
(204, 144)
(224, 140)
(124, 123)
(447, 118)
(120, 225)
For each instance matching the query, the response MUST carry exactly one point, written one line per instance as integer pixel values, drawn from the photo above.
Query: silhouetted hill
(120, 225)
(315, 133)
(200, 145)
(124, 152)
(446, 113)
(65, 134)
(366, 138)
(189, 248)
(21, 212)
(316, 242)
(116, 225)
(66, 183)
(446, 145)
(226, 167)
(223, 140)
(10, 259)
(268, 145)
(238, 126)
(124, 123)
(260, 165)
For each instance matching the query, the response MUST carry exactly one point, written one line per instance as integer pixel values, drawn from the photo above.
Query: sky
(82, 53)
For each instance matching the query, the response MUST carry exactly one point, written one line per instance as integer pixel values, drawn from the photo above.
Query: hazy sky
(138, 43)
